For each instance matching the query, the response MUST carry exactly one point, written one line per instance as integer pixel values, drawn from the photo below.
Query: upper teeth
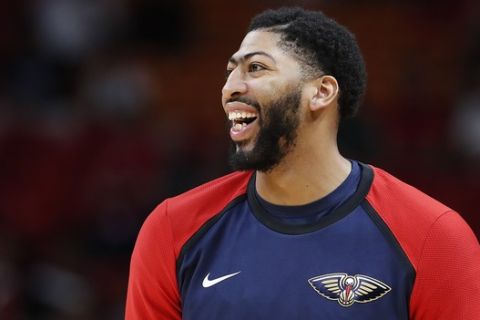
(234, 115)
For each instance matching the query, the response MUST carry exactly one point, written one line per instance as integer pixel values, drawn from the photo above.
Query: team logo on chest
(348, 289)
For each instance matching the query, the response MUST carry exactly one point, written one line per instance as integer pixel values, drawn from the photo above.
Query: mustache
(245, 100)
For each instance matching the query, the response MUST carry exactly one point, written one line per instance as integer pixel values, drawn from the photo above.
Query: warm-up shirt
(374, 248)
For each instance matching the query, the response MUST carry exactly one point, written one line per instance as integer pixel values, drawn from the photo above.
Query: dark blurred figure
(82, 160)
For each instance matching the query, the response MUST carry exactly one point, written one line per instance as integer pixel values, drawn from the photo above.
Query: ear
(325, 91)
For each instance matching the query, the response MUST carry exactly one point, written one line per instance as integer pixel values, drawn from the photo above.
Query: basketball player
(298, 231)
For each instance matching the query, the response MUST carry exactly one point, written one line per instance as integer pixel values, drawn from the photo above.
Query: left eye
(254, 67)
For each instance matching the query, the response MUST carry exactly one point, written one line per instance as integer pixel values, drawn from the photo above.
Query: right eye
(227, 72)
(255, 67)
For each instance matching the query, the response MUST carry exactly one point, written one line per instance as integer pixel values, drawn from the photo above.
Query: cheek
(264, 92)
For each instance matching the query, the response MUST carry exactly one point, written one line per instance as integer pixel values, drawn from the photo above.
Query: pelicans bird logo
(348, 289)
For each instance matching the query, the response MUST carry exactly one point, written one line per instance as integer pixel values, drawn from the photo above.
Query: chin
(244, 146)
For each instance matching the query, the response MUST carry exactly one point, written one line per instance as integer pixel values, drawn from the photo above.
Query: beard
(277, 135)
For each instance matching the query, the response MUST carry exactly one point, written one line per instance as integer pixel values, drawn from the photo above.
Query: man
(300, 232)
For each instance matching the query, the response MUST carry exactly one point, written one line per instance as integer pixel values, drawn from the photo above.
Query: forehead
(258, 39)
(266, 42)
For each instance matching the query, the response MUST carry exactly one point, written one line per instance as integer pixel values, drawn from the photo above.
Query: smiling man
(298, 231)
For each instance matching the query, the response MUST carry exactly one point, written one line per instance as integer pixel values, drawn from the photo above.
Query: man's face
(261, 98)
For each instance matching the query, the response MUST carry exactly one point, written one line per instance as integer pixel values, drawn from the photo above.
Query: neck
(301, 179)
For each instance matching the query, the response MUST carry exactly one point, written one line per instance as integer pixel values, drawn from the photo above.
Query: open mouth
(241, 119)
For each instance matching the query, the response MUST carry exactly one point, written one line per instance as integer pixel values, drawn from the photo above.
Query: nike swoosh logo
(208, 283)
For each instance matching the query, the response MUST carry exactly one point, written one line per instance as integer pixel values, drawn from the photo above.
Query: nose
(234, 86)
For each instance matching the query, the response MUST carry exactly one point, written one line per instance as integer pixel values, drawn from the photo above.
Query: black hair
(322, 44)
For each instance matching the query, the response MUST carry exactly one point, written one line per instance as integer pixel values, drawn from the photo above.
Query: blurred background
(109, 106)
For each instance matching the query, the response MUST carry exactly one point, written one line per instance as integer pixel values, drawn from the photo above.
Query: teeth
(238, 126)
(234, 115)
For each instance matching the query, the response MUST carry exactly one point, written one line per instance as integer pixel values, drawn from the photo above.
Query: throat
(289, 185)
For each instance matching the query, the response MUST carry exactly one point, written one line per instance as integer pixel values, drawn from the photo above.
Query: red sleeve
(438, 243)
(152, 287)
(447, 284)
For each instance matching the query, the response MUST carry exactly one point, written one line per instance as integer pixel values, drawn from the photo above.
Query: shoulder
(186, 213)
(411, 215)
(211, 196)
(391, 191)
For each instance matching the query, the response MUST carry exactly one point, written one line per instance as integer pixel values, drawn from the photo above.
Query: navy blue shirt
(330, 259)
(374, 248)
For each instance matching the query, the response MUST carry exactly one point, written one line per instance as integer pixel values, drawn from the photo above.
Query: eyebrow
(249, 55)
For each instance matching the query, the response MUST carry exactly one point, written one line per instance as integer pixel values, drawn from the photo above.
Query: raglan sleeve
(152, 285)
(447, 284)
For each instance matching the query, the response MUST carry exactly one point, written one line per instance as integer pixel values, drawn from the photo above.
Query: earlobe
(316, 101)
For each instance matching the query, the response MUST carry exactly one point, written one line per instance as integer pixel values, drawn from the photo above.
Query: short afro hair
(323, 45)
